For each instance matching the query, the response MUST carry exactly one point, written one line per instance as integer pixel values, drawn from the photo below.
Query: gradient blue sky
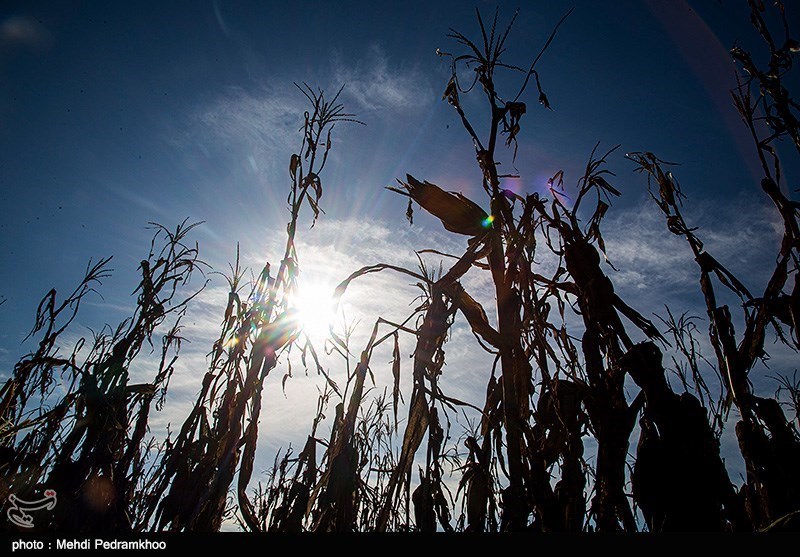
(115, 114)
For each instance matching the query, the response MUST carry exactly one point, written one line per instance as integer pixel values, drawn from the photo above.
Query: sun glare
(314, 304)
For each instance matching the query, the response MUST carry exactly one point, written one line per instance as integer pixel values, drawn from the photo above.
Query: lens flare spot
(487, 222)
(231, 342)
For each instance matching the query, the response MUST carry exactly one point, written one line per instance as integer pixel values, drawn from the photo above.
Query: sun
(313, 302)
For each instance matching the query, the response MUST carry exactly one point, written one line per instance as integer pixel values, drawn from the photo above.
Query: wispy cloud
(375, 83)
(223, 25)
(267, 116)
(262, 120)
(742, 234)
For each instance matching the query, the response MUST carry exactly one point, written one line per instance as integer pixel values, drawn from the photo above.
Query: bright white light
(314, 304)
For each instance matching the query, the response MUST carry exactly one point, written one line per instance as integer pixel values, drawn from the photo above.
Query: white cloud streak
(261, 121)
(267, 117)
(373, 83)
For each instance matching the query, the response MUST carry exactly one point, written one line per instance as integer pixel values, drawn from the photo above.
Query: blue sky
(116, 114)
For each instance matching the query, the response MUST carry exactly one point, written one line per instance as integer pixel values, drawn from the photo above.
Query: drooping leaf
(396, 394)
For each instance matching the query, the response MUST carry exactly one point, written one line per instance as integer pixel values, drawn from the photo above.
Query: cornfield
(559, 443)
